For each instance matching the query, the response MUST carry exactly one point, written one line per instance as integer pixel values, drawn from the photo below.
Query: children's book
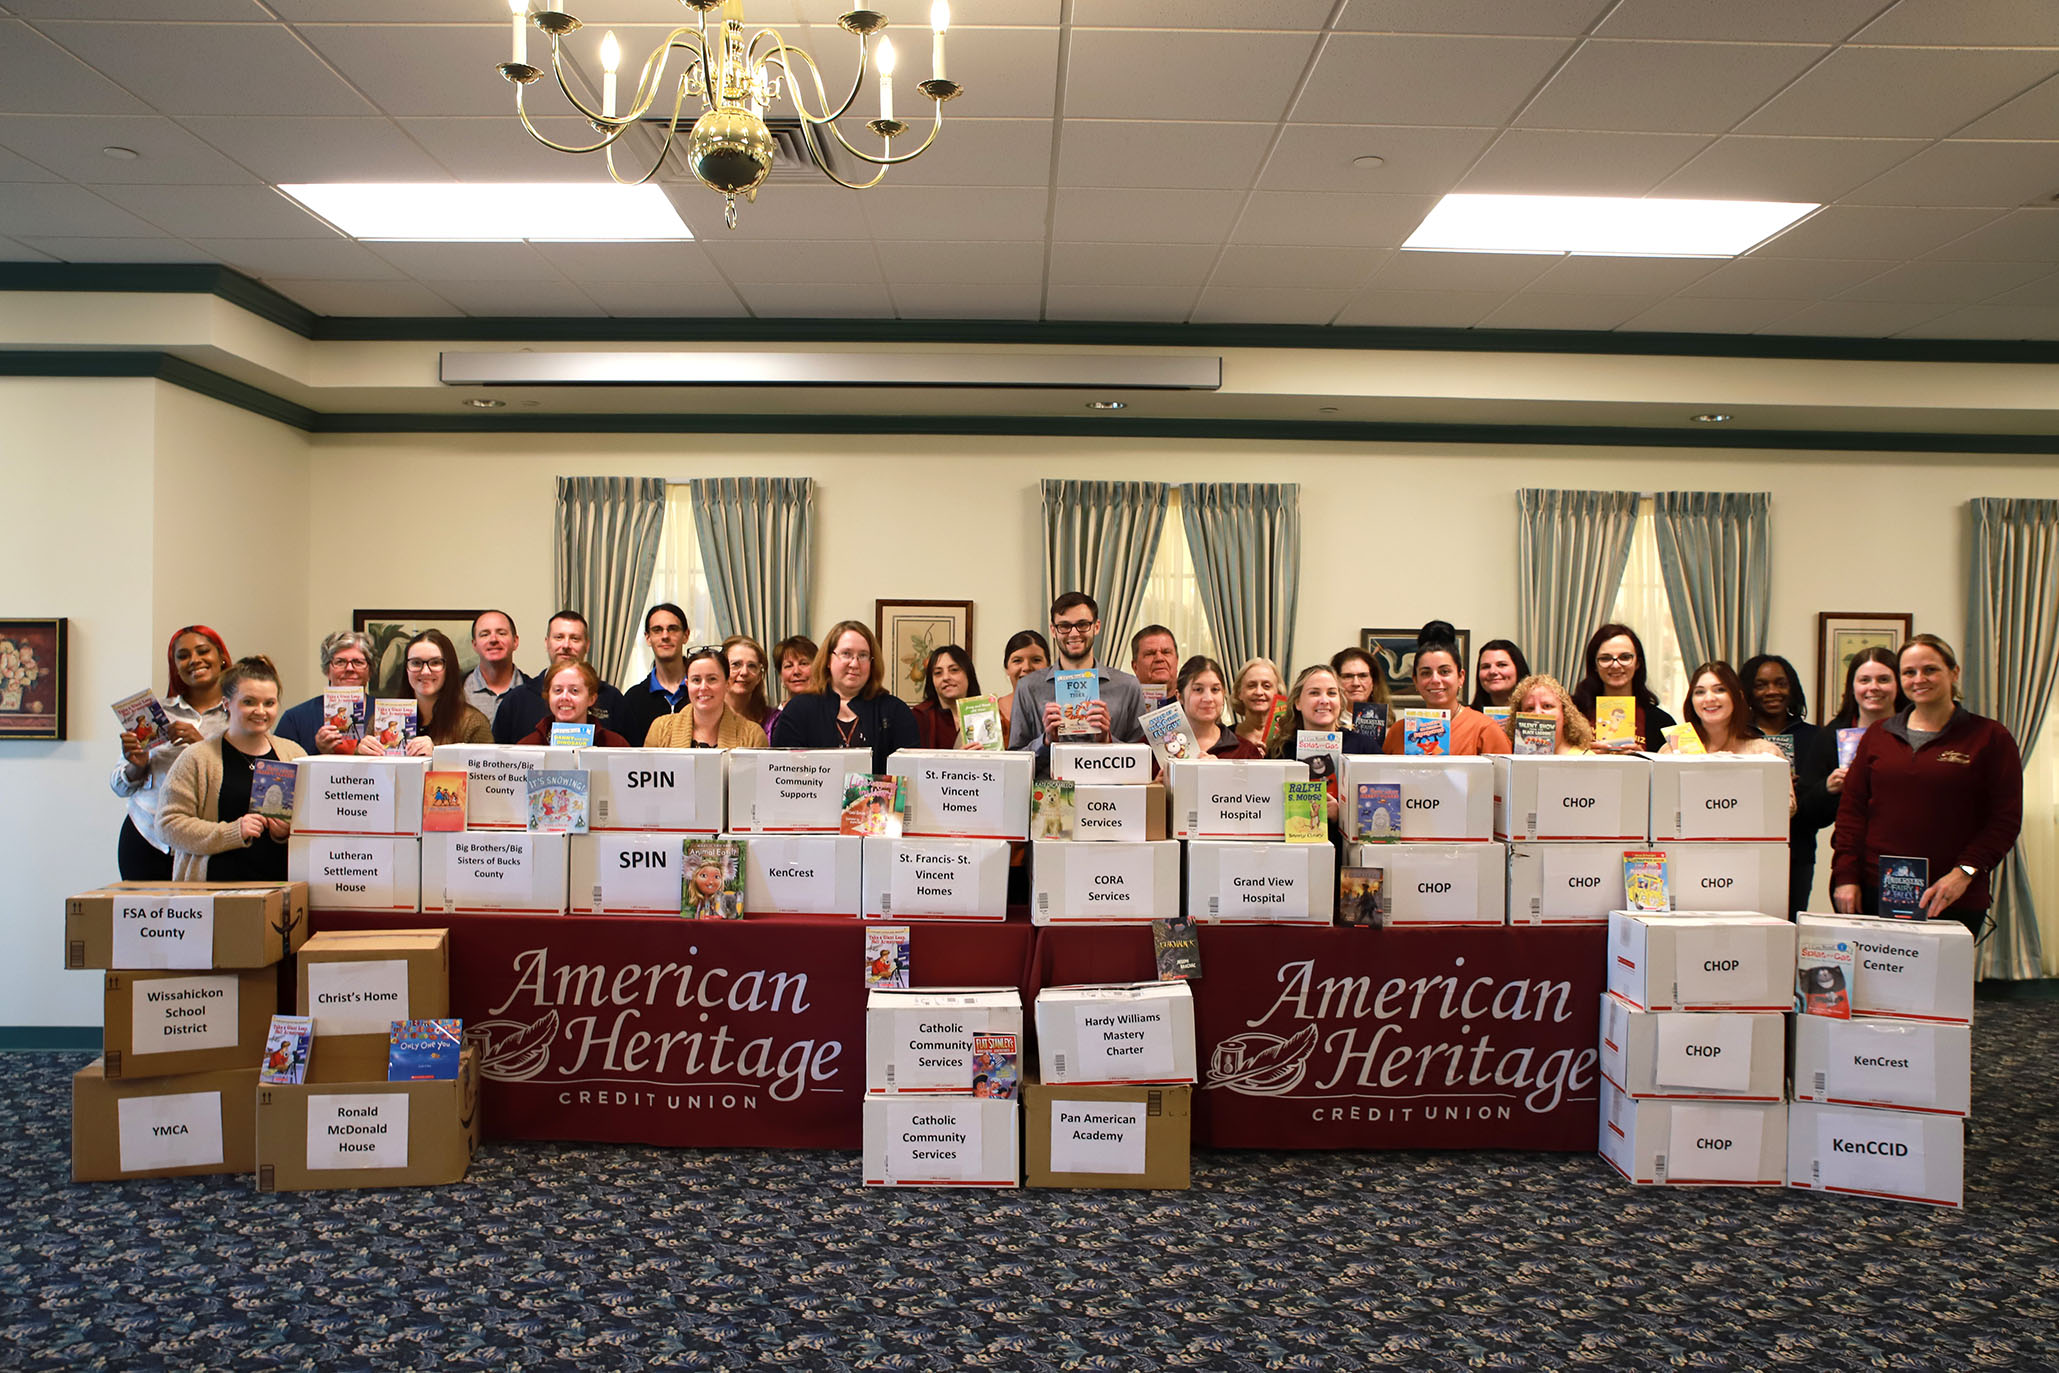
(424, 1050)
(1361, 896)
(286, 1049)
(1153, 694)
(979, 723)
(1371, 720)
(873, 804)
(1785, 743)
(564, 734)
(1177, 945)
(1051, 810)
(1170, 734)
(1499, 715)
(557, 800)
(143, 715)
(443, 802)
(1535, 732)
(996, 1065)
(1276, 721)
(1902, 881)
(1823, 977)
(1322, 750)
(1308, 812)
(1848, 745)
(1683, 737)
(1644, 881)
(886, 955)
(343, 710)
(393, 723)
(1075, 689)
(1615, 720)
(714, 887)
(1425, 733)
(271, 788)
(1379, 811)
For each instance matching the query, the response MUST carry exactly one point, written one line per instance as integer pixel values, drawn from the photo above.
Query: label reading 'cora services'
(1108, 812)
(1704, 1053)
(1111, 880)
(1097, 1136)
(170, 1015)
(163, 931)
(1123, 1041)
(178, 1131)
(361, 1130)
(358, 997)
(934, 1139)
(1714, 1144)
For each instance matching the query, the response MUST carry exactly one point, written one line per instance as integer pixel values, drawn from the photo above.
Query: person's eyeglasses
(846, 655)
(1616, 659)
(349, 662)
(424, 664)
(1358, 677)
(1072, 626)
(751, 668)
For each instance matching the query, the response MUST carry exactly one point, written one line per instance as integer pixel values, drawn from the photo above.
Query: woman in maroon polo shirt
(1935, 781)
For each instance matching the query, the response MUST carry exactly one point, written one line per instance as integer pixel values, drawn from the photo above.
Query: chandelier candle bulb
(939, 20)
(886, 78)
(611, 59)
(518, 11)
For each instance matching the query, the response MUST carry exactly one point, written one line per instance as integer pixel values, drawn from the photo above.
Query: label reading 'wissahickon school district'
(170, 1015)
(157, 931)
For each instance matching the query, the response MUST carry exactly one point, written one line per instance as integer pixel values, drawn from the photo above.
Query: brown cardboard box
(160, 1023)
(410, 982)
(407, 1134)
(207, 1119)
(1161, 1156)
(255, 923)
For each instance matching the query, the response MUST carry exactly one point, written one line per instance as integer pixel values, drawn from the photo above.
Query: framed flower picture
(909, 631)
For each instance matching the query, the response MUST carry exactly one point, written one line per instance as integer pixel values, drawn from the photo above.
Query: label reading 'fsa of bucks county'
(152, 931)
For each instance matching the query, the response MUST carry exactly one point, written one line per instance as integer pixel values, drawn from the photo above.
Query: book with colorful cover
(343, 710)
(287, 1046)
(1051, 812)
(714, 886)
(1277, 719)
(271, 788)
(571, 734)
(443, 801)
(1785, 743)
(979, 723)
(996, 1065)
(1176, 944)
(1848, 744)
(1534, 732)
(1075, 689)
(1153, 694)
(1371, 720)
(873, 804)
(1425, 733)
(1644, 881)
(886, 955)
(1823, 977)
(1500, 715)
(1902, 881)
(144, 716)
(557, 800)
(424, 1050)
(1361, 896)
(1684, 738)
(1308, 812)
(1615, 720)
(1322, 750)
(1170, 734)
(393, 723)
(1379, 812)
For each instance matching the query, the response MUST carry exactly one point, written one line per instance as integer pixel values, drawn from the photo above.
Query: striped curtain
(606, 535)
(756, 544)
(1245, 538)
(1715, 552)
(1101, 538)
(1571, 549)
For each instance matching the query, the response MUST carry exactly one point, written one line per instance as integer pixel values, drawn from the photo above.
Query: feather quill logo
(1259, 1064)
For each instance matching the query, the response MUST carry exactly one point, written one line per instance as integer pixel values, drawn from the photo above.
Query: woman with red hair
(195, 659)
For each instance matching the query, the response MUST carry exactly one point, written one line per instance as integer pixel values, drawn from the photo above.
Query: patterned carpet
(611, 1257)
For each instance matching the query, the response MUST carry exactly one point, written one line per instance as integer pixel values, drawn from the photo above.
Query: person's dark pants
(139, 860)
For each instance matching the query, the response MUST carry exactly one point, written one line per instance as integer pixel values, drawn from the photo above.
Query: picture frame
(35, 678)
(1393, 652)
(390, 630)
(1840, 636)
(909, 631)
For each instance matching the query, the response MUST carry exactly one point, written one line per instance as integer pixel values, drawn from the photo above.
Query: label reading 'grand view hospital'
(489, 870)
(797, 792)
(178, 1131)
(358, 997)
(360, 800)
(934, 878)
(1722, 799)
(1714, 1144)
(798, 873)
(1871, 1151)
(1110, 881)
(366, 1130)
(1704, 1053)
(933, 1050)
(154, 931)
(1262, 882)
(173, 1014)
(1122, 1041)
(1569, 801)
(1874, 1060)
(1097, 1136)
(934, 1139)
(1718, 966)
(958, 798)
(1258, 807)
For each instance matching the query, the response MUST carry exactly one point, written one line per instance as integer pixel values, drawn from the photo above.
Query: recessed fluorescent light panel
(1602, 226)
(550, 212)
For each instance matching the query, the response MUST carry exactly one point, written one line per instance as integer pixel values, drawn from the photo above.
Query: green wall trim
(163, 278)
(84, 1039)
(190, 376)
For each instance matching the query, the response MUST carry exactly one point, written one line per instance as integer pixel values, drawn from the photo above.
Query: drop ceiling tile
(431, 69)
(982, 152)
(1554, 162)
(1150, 216)
(1318, 157)
(790, 211)
(1665, 87)
(1818, 170)
(951, 263)
(1198, 14)
(748, 262)
(665, 299)
(968, 302)
(1867, 231)
(842, 301)
(1284, 305)
(187, 11)
(1744, 21)
(1549, 18)
(1162, 153)
(1332, 269)
(1363, 79)
(498, 149)
(1412, 270)
(120, 250)
(1420, 309)
(985, 212)
(1007, 73)
(39, 209)
(593, 264)
(307, 259)
(1953, 24)
(1119, 73)
(1185, 265)
(2034, 114)
(1855, 318)
(1995, 321)
(240, 69)
(14, 167)
(1900, 92)
(1624, 276)
(1541, 310)
(434, 263)
(1684, 316)
(1352, 221)
(2019, 236)
(1796, 279)
(392, 298)
(13, 250)
(964, 13)
(2043, 291)
(342, 149)
(38, 77)
(218, 211)
(591, 12)
(1967, 173)
(1148, 304)
(72, 146)
(533, 296)
(1947, 283)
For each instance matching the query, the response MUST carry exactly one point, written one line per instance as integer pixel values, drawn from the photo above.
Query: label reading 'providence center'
(1262, 882)
(796, 792)
(933, 1049)
(489, 870)
(183, 1130)
(1097, 1136)
(961, 797)
(1703, 1053)
(934, 1138)
(169, 1015)
(363, 1130)
(357, 997)
(1896, 971)
(1714, 1144)
(1111, 880)
(1123, 1041)
(163, 931)
(357, 800)
(934, 878)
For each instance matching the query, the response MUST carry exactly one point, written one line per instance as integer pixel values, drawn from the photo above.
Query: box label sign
(798, 793)
(632, 873)
(933, 1050)
(164, 931)
(1721, 800)
(1872, 1061)
(1257, 809)
(644, 794)
(1581, 880)
(349, 871)
(183, 1130)
(1097, 1137)
(1433, 803)
(1123, 1041)
(934, 1139)
(1261, 882)
(1108, 812)
(497, 788)
(1895, 972)
(365, 1130)
(799, 874)
(1569, 802)
(1112, 881)
(353, 800)
(357, 997)
(1431, 885)
(1705, 1053)
(934, 879)
(1871, 1151)
(1714, 1144)
(1715, 965)
(962, 798)
(173, 1014)
(484, 871)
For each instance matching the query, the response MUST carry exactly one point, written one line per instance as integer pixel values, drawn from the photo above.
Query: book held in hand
(393, 723)
(1322, 750)
(1276, 722)
(1684, 738)
(287, 1045)
(714, 887)
(1379, 811)
(1371, 720)
(343, 710)
(1308, 812)
(271, 788)
(1170, 734)
(1644, 881)
(873, 804)
(566, 734)
(424, 1050)
(557, 800)
(443, 801)
(1425, 733)
(1500, 715)
(143, 715)
(1051, 809)
(1176, 943)
(979, 723)
(1785, 743)
(1153, 694)
(1361, 896)
(1848, 744)
(1823, 977)
(1615, 720)
(996, 1065)
(1902, 882)
(886, 955)
(1534, 732)
(1075, 689)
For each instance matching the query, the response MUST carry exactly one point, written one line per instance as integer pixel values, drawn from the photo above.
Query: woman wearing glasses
(710, 719)
(746, 662)
(846, 706)
(1364, 685)
(442, 714)
(1615, 667)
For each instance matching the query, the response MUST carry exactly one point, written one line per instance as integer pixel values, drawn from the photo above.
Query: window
(2040, 836)
(680, 578)
(1172, 594)
(1642, 604)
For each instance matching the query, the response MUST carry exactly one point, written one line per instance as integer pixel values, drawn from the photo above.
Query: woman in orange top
(1441, 681)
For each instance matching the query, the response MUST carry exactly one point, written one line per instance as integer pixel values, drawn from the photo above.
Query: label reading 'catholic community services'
(934, 1139)
(163, 931)
(933, 1049)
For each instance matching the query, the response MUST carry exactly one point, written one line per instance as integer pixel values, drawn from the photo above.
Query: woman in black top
(1614, 666)
(1780, 709)
(1873, 692)
(847, 706)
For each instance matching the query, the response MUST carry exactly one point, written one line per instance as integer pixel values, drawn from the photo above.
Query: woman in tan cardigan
(206, 815)
(708, 721)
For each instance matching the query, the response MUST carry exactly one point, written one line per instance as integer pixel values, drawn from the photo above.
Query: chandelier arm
(809, 136)
(654, 71)
(522, 112)
(815, 72)
(893, 160)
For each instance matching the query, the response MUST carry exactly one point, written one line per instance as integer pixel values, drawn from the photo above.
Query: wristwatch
(1969, 869)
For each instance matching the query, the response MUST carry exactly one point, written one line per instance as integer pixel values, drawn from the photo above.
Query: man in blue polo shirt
(663, 692)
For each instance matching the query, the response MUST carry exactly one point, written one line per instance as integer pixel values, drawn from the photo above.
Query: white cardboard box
(1243, 882)
(1697, 796)
(942, 1142)
(1109, 813)
(496, 785)
(1132, 1032)
(1898, 1065)
(1554, 883)
(1708, 1055)
(1232, 798)
(672, 789)
(1701, 962)
(1905, 969)
(359, 872)
(803, 874)
(506, 873)
(1588, 797)
(965, 793)
(1114, 884)
(944, 879)
(627, 874)
(1127, 764)
(919, 1041)
(1686, 1143)
(339, 794)
(1894, 1155)
(1729, 877)
(1443, 800)
(1440, 884)
(790, 790)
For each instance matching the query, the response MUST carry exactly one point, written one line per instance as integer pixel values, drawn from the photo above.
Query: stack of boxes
(1445, 866)
(1119, 868)
(786, 805)
(192, 986)
(643, 807)
(1567, 823)
(1231, 814)
(926, 1121)
(1112, 1102)
(357, 832)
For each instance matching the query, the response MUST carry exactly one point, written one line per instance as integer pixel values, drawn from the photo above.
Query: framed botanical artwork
(34, 675)
(390, 630)
(1842, 635)
(910, 630)
(1394, 656)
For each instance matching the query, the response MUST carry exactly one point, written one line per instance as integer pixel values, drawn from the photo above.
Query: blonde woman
(1543, 694)
(1258, 682)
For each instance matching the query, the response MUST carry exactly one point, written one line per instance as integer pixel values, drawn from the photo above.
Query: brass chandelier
(733, 77)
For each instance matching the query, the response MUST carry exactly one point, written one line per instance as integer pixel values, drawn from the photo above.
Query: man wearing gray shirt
(494, 640)
(1075, 625)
